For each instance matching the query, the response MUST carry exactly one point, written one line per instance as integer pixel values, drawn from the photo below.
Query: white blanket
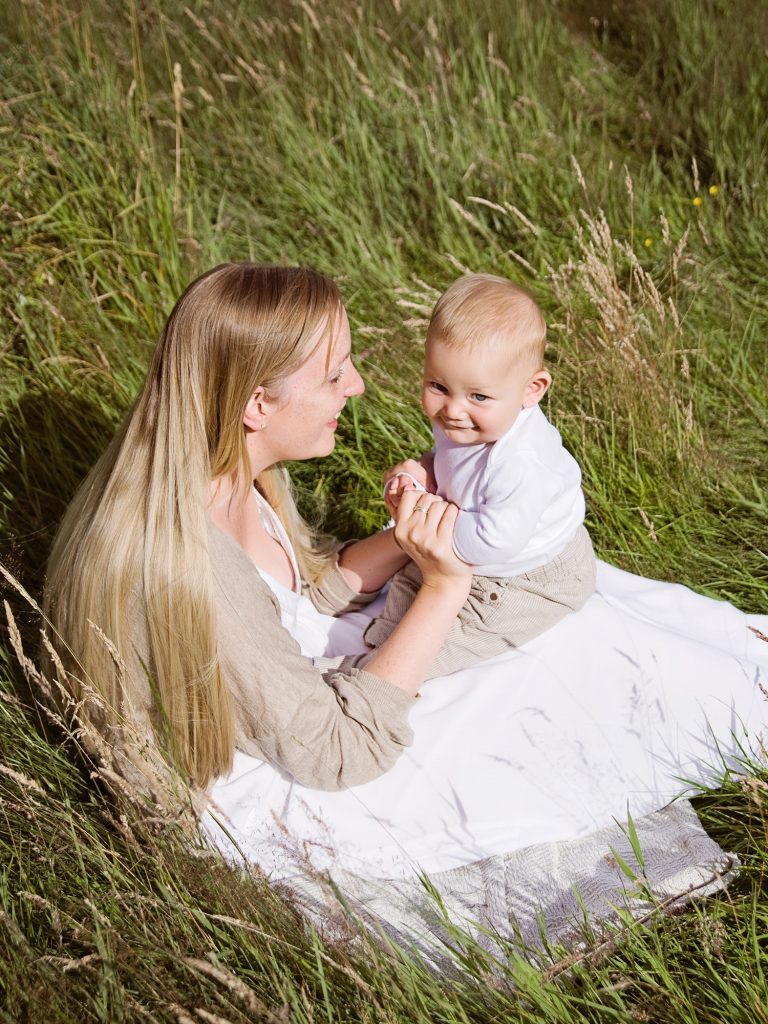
(648, 691)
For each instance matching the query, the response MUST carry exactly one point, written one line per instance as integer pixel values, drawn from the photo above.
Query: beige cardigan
(327, 730)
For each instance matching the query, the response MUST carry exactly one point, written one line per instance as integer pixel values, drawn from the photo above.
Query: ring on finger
(420, 508)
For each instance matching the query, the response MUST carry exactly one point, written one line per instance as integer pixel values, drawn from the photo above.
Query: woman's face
(302, 420)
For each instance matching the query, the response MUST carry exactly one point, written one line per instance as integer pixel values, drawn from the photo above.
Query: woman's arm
(334, 729)
(427, 537)
(405, 656)
(367, 564)
(327, 730)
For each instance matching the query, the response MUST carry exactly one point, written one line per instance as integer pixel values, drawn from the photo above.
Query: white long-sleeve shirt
(520, 497)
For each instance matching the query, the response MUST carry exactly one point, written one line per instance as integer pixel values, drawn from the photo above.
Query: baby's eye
(476, 397)
(436, 387)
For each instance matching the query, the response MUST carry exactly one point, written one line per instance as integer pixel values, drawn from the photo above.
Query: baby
(502, 462)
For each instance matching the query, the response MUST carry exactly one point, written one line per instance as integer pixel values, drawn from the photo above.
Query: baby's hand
(394, 488)
(420, 469)
(408, 475)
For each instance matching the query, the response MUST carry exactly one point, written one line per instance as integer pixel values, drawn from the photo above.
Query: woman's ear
(255, 415)
(536, 388)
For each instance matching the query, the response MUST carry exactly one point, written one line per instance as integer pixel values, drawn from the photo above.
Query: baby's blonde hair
(479, 308)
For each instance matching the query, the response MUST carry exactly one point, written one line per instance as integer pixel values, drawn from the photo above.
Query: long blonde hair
(134, 539)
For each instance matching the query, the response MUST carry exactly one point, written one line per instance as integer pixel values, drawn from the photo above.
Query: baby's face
(475, 396)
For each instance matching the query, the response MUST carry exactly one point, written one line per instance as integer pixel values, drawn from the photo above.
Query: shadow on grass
(48, 442)
(49, 439)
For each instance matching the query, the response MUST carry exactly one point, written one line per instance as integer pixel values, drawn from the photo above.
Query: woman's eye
(337, 376)
(478, 398)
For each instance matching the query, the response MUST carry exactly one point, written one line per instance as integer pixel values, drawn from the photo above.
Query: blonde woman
(179, 538)
(185, 548)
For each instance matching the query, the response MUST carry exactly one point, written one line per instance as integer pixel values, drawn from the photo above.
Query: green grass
(391, 145)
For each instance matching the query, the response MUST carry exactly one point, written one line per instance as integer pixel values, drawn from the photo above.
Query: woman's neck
(235, 489)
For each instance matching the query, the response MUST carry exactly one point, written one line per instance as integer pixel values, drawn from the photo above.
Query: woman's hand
(424, 530)
(368, 564)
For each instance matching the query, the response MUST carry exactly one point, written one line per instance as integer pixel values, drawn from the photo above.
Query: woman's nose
(356, 385)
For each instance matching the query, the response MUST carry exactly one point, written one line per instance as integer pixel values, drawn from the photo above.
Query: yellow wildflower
(647, 242)
(697, 200)
(713, 190)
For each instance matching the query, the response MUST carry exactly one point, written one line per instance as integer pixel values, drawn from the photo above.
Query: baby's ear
(537, 387)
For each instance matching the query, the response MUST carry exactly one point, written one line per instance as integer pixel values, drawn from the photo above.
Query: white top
(275, 529)
(520, 497)
(605, 714)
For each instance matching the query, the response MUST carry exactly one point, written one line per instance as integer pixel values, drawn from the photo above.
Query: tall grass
(613, 161)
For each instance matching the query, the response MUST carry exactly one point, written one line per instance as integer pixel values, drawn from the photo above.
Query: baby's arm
(507, 518)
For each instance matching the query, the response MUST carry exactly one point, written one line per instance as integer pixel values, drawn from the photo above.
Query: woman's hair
(134, 539)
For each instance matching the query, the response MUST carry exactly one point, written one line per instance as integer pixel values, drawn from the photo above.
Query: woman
(159, 551)
(190, 569)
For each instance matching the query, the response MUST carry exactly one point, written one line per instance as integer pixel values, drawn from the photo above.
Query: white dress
(646, 693)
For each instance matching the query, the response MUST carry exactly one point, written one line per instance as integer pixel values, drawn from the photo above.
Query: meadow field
(613, 158)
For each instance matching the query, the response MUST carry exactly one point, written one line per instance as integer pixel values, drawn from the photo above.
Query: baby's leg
(403, 588)
(473, 637)
(500, 614)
